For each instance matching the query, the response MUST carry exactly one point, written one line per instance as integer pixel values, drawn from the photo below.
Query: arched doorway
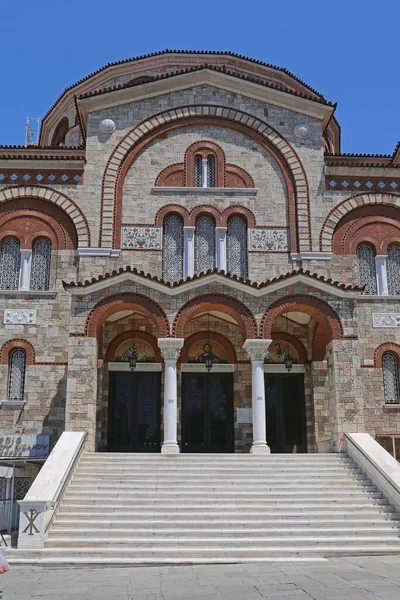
(297, 402)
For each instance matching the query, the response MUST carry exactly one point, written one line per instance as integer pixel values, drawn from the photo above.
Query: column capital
(256, 349)
(221, 229)
(170, 347)
(189, 228)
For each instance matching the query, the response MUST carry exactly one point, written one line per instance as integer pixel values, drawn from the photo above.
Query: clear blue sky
(347, 50)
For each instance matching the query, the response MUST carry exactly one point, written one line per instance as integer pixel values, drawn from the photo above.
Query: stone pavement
(360, 578)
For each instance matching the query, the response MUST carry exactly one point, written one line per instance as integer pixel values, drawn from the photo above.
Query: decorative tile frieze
(386, 319)
(19, 317)
(269, 240)
(378, 184)
(43, 177)
(141, 238)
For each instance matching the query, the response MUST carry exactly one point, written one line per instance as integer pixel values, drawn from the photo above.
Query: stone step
(180, 478)
(291, 530)
(212, 457)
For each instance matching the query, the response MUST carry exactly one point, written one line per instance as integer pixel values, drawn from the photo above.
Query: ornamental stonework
(386, 319)
(269, 240)
(19, 317)
(141, 238)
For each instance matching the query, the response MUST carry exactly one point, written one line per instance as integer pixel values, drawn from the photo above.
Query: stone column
(257, 350)
(25, 270)
(381, 274)
(170, 349)
(80, 406)
(220, 248)
(204, 172)
(188, 251)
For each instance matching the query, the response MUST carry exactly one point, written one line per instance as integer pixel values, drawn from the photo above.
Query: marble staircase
(136, 509)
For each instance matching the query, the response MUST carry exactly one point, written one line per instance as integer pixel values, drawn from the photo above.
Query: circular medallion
(107, 126)
(302, 131)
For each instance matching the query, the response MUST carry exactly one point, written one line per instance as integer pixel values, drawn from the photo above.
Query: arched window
(173, 248)
(204, 255)
(237, 246)
(390, 370)
(60, 133)
(16, 375)
(41, 259)
(393, 268)
(9, 264)
(198, 176)
(366, 268)
(210, 170)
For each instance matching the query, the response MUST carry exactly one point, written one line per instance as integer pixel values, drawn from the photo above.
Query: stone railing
(40, 504)
(377, 463)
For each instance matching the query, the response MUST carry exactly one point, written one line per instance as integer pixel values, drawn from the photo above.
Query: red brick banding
(144, 133)
(386, 347)
(219, 302)
(351, 204)
(51, 198)
(317, 308)
(212, 336)
(171, 209)
(378, 225)
(205, 209)
(125, 301)
(240, 211)
(11, 345)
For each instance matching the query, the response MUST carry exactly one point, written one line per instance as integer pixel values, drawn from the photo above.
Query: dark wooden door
(285, 412)
(207, 412)
(134, 412)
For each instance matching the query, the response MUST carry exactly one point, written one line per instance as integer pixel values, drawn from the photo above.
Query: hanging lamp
(288, 360)
(209, 360)
(132, 352)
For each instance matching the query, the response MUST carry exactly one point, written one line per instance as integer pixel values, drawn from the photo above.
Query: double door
(285, 412)
(207, 412)
(134, 412)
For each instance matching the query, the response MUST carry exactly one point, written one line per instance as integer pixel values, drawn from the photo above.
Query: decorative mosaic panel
(362, 184)
(141, 238)
(10, 176)
(269, 240)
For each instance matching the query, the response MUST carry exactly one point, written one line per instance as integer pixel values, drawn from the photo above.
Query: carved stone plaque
(386, 319)
(19, 317)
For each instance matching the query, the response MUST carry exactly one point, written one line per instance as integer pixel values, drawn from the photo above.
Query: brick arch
(171, 209)
(126, 335)
(378, 225)
(294, 341)
(209, 302)
(205, 209)
(53, 198)
(386, 347)
(240, 211)
(320, 310)
(204, 148)
(125, 301)
(350, 204)
(11, 345)
(144, 133)
(213, 336)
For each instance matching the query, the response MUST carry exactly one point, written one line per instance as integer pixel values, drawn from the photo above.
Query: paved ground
(369, 578)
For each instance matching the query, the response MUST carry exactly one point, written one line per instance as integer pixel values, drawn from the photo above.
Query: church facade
(189, 263)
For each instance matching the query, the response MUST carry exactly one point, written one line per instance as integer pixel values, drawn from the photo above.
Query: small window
(210, 171)
(390, 371)
(366, 268)
(198, 176)
(204, 256)
(173, 248)
(393, 268)
(9, 264)
(237, 246)
(41, 261)
(16, 375)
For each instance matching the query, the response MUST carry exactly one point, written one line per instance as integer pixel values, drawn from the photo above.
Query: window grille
(16, 375)
(211, 171)
(198, 171)
(9, 264)
(390, 372)
(393, 268)
(204, 257)
(41, 260)
(237, 246)
(173, 248)
(366, 268)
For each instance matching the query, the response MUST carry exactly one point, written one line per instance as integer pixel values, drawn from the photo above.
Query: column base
(264, 449)
(170, 448)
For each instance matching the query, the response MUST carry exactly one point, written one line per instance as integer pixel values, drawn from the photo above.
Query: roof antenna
(32, 131)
